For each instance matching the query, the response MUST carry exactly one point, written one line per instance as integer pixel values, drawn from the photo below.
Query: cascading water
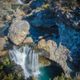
(20, 2)
(27, 59)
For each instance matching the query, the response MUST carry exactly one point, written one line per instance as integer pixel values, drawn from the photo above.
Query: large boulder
(57, 53)
(18, 31)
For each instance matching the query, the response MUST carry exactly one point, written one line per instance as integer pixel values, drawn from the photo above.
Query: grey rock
(18, 31)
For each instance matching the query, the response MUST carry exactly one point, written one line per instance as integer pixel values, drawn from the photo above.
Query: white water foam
(20, 2)
(27, 59)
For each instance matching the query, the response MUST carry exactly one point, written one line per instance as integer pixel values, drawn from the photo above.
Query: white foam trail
(27, 59)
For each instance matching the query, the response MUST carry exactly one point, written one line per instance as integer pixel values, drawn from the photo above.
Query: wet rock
(18, 31)
(58, 54)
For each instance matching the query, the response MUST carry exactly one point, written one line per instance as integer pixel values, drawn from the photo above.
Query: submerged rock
(18, 31)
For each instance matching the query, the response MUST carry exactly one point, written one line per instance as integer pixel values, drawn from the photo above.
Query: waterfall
(27, 59)
(20, 2)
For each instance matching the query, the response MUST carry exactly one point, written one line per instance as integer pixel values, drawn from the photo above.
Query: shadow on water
(51, 71)
(4, 29)
(46, 33)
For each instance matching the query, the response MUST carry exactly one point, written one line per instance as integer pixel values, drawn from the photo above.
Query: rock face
(61, 57)
(18, 31)
(58, 54)
(42, 44)
(2, 43)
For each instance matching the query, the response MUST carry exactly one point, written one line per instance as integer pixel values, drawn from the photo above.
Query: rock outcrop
(58, 54)
(2, 43)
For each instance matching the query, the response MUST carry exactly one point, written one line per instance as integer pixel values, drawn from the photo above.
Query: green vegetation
(8, 70)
